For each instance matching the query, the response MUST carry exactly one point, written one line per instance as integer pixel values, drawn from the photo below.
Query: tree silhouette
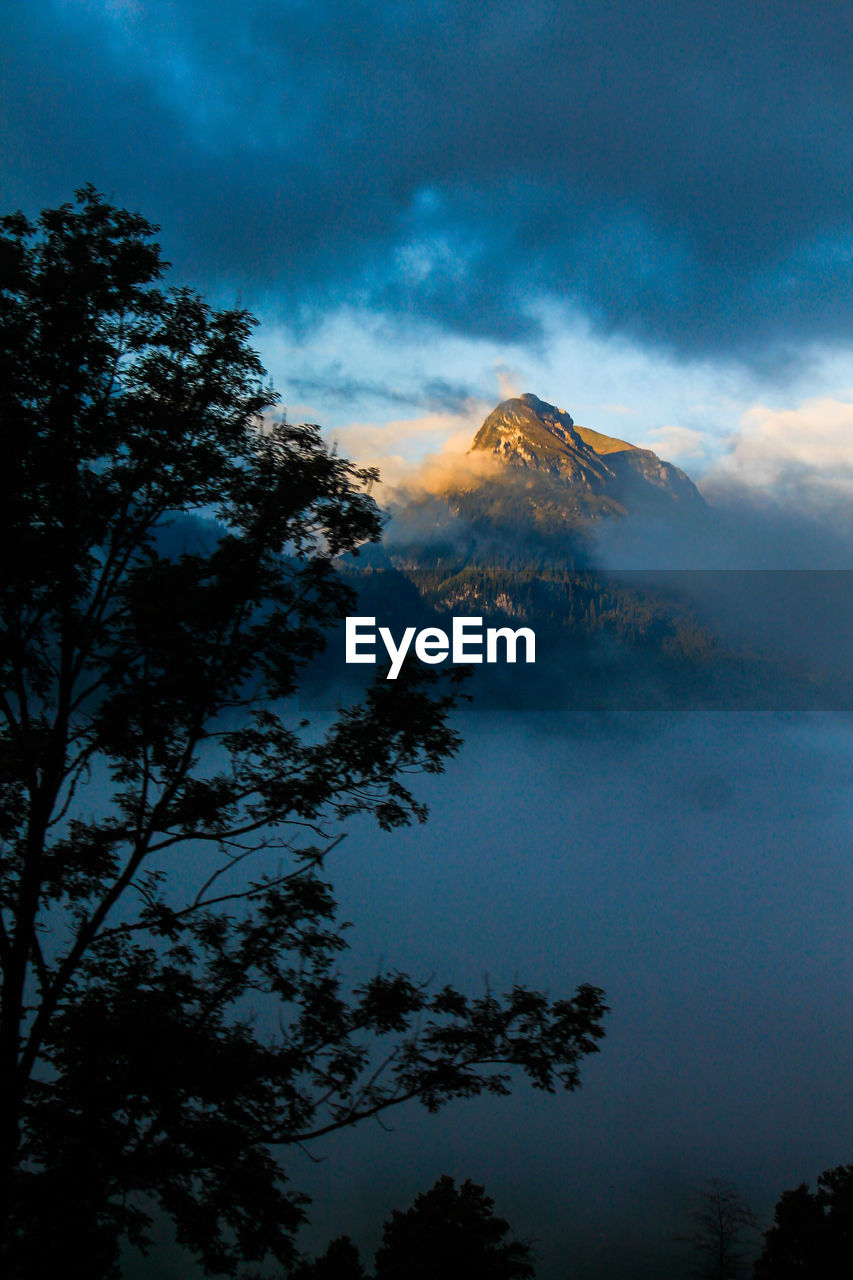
(172, 1014)
(722, 1229)
(813, 1232)
(341, 1261)
(452, 1233)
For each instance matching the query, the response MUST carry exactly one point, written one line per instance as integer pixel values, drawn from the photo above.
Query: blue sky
(640, 211)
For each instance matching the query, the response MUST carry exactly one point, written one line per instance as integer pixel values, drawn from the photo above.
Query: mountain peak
(531, 433)
(528, 433)
(538, 406)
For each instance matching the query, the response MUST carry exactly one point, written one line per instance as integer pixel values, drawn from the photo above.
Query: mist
(694, 866)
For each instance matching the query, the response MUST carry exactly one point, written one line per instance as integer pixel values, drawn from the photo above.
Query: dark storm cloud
(437, 395)
(681, 173)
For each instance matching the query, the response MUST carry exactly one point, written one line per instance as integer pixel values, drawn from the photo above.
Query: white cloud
(417, 453)
(624, 409)
(677, 444)
(508, 381)
(789, 449)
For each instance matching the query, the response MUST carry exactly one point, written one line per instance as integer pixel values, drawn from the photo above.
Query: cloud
(453, 465)
(420, 455)
(781, 492)
(794, 450)
(508, 381)
(334, 383)
(677, 444)
(670, 172)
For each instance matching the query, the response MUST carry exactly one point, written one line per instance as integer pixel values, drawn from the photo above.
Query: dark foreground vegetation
(173, 1018)
(454, 1233)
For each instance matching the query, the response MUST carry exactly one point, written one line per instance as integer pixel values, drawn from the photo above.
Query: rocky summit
(529, 433)
(609, 476)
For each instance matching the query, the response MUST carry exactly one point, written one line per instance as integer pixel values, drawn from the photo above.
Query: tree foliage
(812, 1233)
(173, 1016)
(341, 1261)
(453, 1233)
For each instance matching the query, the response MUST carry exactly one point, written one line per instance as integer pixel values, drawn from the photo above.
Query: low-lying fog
(695, 866)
